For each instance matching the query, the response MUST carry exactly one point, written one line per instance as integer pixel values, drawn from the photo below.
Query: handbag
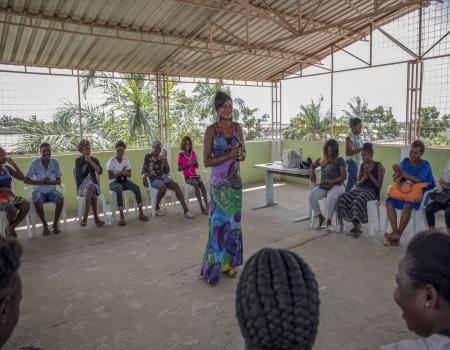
(407, 191)
(325, 186)
(441, 197)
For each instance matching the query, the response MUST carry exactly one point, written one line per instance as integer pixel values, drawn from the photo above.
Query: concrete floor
(137, 287)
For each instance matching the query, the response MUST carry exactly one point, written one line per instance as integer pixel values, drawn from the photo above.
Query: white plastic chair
(373, 217)
(4, 220)
(153, 194)
(47, 204)
(125, 193)
(189, 189)
(418, 216)
(114, 206)
(324, 203)
(81, 201)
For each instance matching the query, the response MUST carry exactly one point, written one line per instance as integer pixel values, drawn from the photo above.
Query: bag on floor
(441, 197)
(407, 191)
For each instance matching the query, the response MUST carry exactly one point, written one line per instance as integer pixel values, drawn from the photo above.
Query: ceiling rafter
(311, 17)
(270, 14)
(170, 39)
(336, 31)
(390, 9)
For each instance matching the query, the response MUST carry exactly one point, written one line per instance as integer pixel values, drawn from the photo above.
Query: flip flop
(232, 273)
(46, 231)
(143, 218)
(388, 243)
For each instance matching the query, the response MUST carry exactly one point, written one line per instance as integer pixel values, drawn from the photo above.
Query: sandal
(357, 233)
(392, 240)
(143, 217)
(99, 223)
(121, 222)
(45, 231)
(232, 273)
(83, 223)
(56, 230)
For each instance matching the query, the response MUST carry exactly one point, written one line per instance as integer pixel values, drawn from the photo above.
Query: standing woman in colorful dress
(223, 150)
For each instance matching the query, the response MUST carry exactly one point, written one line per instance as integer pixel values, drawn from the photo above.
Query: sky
(24, 95)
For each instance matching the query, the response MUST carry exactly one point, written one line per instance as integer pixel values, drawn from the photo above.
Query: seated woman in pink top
(188, 164)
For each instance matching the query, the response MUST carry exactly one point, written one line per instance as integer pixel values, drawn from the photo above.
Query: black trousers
(433, 208)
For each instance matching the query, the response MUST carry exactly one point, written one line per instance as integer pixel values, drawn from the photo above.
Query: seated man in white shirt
(119, 173)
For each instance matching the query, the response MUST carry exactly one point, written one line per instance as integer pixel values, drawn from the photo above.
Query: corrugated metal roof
(260, 40)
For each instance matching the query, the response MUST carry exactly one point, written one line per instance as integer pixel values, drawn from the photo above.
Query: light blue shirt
(36, 171)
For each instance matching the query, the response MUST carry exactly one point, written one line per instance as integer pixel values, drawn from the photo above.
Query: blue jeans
(118, 187)
(352, 174)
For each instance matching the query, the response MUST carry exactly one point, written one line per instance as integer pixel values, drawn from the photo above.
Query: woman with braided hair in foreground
(423, 292)
(10, 286)
(277, 302)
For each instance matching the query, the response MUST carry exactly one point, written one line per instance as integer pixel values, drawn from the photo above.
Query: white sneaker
(330, 228)
(189, 215)
(159, 212)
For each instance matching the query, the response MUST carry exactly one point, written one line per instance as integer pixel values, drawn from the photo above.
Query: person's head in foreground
(10, 286)
(423, 289)
(277, 302)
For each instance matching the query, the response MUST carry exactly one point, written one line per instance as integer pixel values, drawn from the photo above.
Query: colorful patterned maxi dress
(224, 247)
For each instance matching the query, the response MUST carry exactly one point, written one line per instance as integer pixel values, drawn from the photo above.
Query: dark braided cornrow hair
(428, 254)
(10, 254)
(277, 302)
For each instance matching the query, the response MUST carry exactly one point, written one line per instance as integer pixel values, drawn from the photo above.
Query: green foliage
(378, 123)
(433, 124)
(7, 121)
(309, 123)
(63, 132)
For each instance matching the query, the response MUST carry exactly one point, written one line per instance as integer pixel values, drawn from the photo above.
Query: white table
(277, 168)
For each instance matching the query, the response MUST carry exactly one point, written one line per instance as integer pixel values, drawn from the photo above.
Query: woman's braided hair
(277, 302)
(10, 254)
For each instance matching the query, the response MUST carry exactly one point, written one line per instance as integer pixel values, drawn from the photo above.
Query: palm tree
(358, 109)
(131, 104)
(63, 132)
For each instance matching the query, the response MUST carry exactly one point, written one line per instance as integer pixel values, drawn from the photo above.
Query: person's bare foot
(56, 230)
(392, 239)
(99, 223)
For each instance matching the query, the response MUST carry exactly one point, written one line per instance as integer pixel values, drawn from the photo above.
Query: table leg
(305, 218)
(269, 192)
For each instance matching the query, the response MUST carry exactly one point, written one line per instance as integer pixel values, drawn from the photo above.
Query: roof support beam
(269, 14)
(312, 16)
(390, 37)
(168, 40)
(401, 5)
(151, 36)
(354, 56)
(287, 17)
